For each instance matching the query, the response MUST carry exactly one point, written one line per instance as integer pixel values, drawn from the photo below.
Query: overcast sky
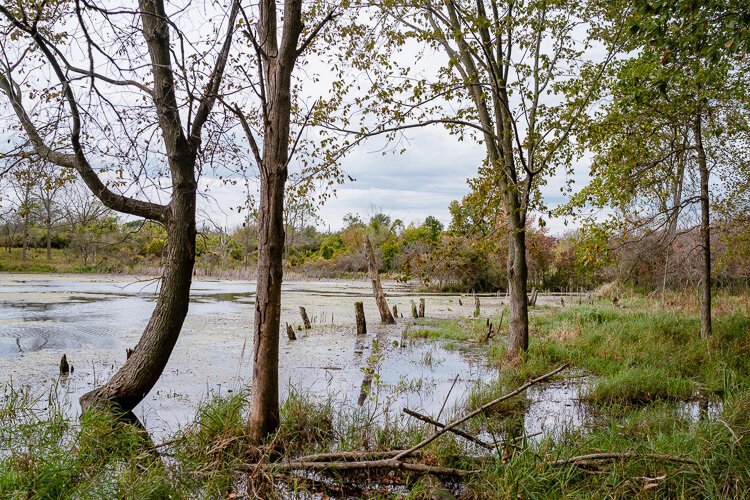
(422, 181)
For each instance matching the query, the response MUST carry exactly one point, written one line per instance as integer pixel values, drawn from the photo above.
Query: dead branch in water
(476, 412)
(458, 432)
(599, 457)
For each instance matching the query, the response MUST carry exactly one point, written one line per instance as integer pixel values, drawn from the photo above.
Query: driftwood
(421, 308)
(476, 412)
(305, 319)
(359, 314)
(440, 425)
(601, 457)
(290, 332)
(377, 288)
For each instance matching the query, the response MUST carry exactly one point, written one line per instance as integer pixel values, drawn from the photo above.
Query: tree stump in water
(414, 312)
(290, 332)
(305, 319)
(64, 366)
(421, 308)
(476, 306)
(359, 314)
(395, 311)
(377, 288)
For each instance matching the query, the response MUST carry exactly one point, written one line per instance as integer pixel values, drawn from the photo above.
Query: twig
(598, 457)
(476, 412)
(359, 465)
(440, 425)
(447, 396)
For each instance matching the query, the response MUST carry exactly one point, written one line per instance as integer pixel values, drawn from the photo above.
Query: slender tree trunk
(705, 230)
(144, 367)
(377, 288)
(278, 63)
(518, 329)
(49, 238)
(25, 244)
(264, 404)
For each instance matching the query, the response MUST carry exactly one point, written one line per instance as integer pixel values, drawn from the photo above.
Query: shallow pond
(94, 319)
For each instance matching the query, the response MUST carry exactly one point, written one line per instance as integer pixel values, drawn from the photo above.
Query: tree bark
(277, 65)
(377, 288)
(518, 329)
(705, 229)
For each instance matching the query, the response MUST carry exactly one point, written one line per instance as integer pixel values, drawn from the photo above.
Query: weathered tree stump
(476, 306)
(532, 298)
(377, 288)
(359, 314)
(64, 366)
(290, 332)
(414, 312)
(305, 319)
(395, 311)
(421, 308)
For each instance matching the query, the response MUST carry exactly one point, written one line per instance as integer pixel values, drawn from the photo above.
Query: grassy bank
(643, 364)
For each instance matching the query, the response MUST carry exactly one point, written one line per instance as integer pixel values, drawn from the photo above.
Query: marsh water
(94, 319)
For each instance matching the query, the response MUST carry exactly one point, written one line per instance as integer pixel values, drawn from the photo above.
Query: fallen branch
(348, 455)
(458, 432)
(599, 457)
(476, 412)
(360, 465)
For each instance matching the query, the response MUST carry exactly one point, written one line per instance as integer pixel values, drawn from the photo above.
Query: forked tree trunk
(143, 368)
(518, 329)
(705, 230)
(377, 288)
(278, 63)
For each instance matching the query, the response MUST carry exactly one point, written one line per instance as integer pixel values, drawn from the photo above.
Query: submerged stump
(290, 332)
(476, 306)
(421, 308)
(359, 314)
(64, 366)
(305, 319)
(414, 312)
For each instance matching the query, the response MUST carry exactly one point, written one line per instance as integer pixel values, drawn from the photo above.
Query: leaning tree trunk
(518, 330)
(705, 230)
(377, 287)
(143, 368)
(278, 64)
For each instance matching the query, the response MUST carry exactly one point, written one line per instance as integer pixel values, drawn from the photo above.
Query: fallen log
(599, 457)
(358, 465)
